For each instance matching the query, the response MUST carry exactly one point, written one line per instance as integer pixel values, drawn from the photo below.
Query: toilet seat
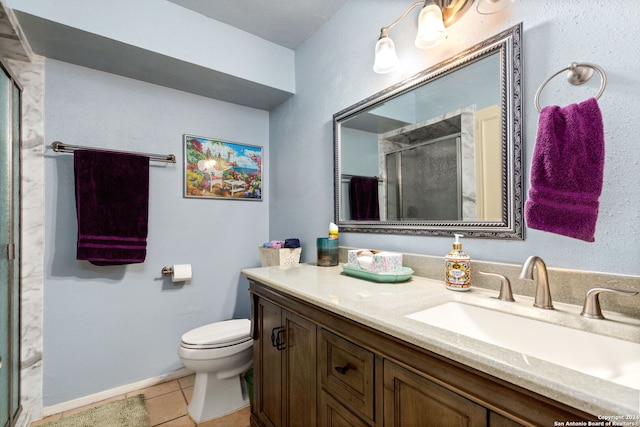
(217, 335)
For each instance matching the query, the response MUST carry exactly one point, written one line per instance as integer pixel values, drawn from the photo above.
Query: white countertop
(384, 306)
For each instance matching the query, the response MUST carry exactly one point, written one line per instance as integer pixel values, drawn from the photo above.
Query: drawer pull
(342, 369)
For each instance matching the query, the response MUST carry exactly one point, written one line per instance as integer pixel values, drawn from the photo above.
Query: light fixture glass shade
(487, 7)
(431, 30)
(386, 59)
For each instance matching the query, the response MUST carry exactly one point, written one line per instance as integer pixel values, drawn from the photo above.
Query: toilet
(219, 353)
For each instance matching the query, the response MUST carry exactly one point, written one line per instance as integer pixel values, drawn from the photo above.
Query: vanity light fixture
(487, 7)
(431, 30)
(434, 17)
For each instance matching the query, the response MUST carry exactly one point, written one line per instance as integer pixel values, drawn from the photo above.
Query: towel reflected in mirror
(363, 198)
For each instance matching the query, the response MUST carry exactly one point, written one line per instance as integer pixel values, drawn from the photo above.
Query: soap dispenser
(458, 268)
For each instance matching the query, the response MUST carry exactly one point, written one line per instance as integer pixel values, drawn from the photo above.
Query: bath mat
(129, 412)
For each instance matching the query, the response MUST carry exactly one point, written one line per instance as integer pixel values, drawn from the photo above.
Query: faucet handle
(505, 286)
(591, 308)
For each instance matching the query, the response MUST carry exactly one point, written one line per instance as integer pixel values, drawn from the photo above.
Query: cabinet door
(299, 376)
(412, 400)
(284, 367)
(267, 367)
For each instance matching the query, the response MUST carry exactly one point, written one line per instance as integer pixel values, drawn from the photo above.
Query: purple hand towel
(567, 171)
(112, 206)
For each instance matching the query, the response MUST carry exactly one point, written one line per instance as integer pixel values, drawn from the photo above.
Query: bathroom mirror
(439, 153)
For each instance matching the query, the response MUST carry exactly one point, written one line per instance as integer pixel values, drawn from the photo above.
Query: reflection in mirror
(438, 153)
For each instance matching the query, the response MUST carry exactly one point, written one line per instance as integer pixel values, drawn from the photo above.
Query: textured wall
(333, 71)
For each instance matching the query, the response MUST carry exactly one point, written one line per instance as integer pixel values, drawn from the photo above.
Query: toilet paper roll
(181, 273)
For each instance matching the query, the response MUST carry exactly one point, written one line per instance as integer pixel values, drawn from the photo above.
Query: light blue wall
(333, 71)
(360, 152)
(109, 326)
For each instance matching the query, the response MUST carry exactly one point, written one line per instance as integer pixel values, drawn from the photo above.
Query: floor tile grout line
(169, 421)
(184, 396)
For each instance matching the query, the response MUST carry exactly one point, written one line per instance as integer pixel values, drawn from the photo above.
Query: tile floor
(167, 407)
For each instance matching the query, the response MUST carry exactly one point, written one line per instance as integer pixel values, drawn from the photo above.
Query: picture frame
(219, 169)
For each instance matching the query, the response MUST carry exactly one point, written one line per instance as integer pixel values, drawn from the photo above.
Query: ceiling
(285, 22)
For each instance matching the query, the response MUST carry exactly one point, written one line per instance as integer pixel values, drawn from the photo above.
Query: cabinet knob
(342, 369)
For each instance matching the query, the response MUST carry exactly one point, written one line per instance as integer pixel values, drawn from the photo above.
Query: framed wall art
(218, 169)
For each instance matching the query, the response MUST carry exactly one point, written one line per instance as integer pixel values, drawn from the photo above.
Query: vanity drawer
(333, 413)
(346, 372)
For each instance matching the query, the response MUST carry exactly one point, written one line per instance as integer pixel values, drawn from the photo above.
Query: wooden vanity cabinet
(313, 367)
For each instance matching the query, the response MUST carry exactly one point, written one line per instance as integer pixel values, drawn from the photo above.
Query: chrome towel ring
(578, 74)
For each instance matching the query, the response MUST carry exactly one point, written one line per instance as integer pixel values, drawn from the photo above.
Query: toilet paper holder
(178, 272)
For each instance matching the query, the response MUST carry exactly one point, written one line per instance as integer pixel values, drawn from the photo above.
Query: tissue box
(386, 262)
(376, 261)
(284, 256)
(352, 258)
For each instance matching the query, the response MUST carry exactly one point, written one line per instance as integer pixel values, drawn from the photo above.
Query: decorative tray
(403, 276)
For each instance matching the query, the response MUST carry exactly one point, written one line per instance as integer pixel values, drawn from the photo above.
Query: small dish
(403, 276)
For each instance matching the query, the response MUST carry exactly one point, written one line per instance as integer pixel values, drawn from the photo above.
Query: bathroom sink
(596, 355)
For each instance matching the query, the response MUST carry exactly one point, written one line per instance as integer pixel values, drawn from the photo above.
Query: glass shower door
(9, 249)
(424, 181)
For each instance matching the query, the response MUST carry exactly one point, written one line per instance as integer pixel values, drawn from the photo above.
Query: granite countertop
(383, 306)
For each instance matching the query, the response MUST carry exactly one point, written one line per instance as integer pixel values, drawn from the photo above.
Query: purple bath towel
(112, 206)
(363, 198)
(567, 171)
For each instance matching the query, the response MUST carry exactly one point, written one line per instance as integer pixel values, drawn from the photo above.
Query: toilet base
(214, 397)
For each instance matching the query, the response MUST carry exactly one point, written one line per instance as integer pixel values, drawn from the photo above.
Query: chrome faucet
(591, 308)
(543, 294)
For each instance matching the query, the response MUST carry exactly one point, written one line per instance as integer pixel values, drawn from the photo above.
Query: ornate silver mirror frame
(506, 47)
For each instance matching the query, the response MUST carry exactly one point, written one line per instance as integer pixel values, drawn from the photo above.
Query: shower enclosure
(9, 247)
(424, 181)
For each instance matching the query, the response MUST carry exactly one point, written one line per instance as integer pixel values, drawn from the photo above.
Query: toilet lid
(219, 334)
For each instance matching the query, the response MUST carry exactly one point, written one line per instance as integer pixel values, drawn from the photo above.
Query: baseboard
(114, 392)
(24, 419)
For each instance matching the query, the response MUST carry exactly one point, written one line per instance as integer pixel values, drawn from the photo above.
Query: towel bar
(578, 74)
(60, 147)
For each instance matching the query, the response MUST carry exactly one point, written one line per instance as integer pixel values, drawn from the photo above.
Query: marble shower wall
(31, 76)
(28, 70)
